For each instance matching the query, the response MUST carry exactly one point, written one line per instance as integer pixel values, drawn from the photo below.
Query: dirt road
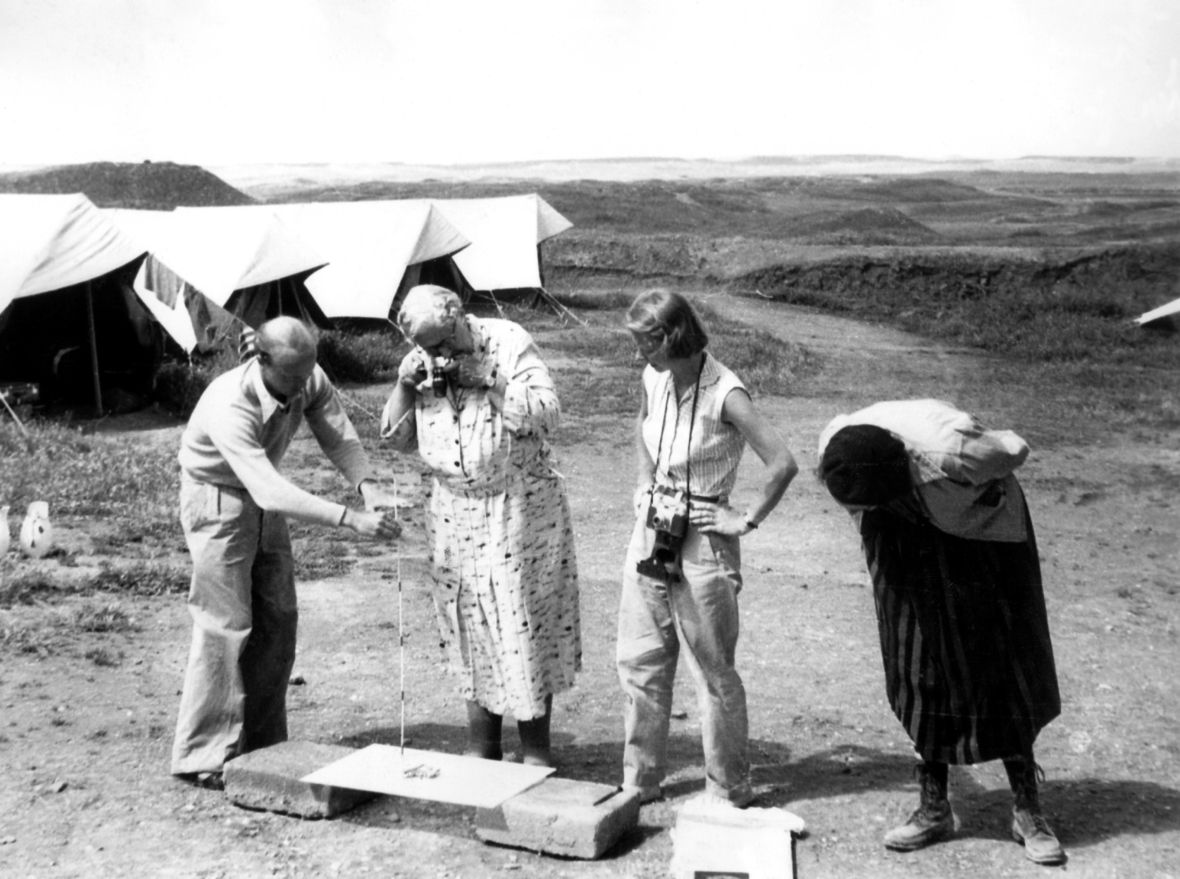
(83, 746)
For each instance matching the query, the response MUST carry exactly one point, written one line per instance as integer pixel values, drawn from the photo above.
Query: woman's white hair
(427, 306)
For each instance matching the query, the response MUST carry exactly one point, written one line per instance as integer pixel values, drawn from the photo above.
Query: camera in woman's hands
(440, 380)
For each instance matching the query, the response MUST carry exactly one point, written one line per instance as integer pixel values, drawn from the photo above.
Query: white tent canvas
(504, 235)
(222, 249)
(216, 251)
(1163, 311)
(368, 246)
(55, 241)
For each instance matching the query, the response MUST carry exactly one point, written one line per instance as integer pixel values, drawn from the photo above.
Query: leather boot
(483, 733)
(933, 820)
(534, 737)
(1028, 823)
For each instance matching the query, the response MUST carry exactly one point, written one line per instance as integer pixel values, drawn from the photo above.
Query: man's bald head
(286, 340)
(286, 354)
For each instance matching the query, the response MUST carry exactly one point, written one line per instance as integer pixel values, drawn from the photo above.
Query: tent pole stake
(93, 350)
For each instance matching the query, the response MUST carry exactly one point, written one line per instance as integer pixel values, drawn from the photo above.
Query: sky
(222, 82)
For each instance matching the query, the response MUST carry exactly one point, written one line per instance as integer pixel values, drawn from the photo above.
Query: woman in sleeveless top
(683, 570)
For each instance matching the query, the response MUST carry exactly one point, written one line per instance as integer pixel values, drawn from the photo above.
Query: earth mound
(871, 225)
(146, 186)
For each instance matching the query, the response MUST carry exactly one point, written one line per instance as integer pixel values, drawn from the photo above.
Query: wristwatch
(490, 381)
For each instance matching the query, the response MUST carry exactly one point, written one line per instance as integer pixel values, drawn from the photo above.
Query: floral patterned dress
(498, 530)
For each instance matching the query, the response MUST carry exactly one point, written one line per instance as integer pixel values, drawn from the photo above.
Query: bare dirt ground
(84, 746)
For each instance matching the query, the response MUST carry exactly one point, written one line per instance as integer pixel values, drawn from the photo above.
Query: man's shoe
(1040, 844)
(928, 824)
(207, 780)
(739, 799)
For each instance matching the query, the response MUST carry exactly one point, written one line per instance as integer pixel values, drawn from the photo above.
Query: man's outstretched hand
(379, 526)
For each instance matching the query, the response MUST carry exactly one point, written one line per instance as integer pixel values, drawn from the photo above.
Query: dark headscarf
(865, 465)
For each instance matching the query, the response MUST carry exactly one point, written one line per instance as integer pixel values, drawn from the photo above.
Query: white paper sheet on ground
(427, 775)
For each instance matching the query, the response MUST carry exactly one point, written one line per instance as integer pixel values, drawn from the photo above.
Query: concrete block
(574, 819)
(269, 779)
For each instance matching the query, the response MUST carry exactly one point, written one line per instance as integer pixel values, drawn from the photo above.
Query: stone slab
(559, 816)
(269, 779)
(430, 775)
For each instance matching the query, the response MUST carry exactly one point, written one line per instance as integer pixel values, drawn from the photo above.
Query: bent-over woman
(969, 667)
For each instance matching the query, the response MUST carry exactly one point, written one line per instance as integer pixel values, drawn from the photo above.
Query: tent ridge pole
(93, 350)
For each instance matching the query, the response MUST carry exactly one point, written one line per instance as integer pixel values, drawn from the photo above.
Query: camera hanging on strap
(668, 508)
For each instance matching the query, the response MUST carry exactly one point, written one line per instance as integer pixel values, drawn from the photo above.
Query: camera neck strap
(696, 393)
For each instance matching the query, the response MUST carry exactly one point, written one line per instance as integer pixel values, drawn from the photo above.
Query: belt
(703, 498)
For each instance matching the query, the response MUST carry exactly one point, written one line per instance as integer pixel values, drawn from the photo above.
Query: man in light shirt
(233, 507)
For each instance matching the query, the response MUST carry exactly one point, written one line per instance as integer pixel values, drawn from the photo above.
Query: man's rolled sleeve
(333, 430)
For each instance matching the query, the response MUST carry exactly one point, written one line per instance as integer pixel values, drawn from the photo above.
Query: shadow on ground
(1083, 812)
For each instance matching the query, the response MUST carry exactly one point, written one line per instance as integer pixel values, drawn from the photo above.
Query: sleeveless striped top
(716, 446)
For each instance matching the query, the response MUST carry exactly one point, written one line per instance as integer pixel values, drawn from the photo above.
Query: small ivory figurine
(36, 534)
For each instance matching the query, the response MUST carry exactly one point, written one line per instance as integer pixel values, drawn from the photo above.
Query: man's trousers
(242, 601)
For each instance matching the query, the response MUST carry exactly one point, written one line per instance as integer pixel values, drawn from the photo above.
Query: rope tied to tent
(19, 423)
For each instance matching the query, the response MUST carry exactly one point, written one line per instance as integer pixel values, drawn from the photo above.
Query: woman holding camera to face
(683, 568)
(476, 401)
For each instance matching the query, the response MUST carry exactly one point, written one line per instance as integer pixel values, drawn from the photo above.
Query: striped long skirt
(969, 665)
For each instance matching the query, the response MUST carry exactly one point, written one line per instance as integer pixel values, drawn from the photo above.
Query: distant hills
(163, 185)
(146, 185)
(266, 181)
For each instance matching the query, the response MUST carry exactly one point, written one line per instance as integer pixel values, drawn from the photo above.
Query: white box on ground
(711, 837)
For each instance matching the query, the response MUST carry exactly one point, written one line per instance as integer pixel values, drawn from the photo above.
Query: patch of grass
(321, 558)
(99, 616)
(139, 579)
(28, 588)
(45, 631)
(85, 475)
(142, 579)
(25, 635)
(104, 657)
(1051, 310)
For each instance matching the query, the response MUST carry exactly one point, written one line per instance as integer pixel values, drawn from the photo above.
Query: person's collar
(710, 371)
(709, 375)
(266, 400)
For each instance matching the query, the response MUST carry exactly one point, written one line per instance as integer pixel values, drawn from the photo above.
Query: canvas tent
(1170, 309)
(212, 270)
(375, 250)
(506, 235)
(69, 320)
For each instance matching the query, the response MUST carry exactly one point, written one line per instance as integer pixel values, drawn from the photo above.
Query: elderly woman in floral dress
(477, 402)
